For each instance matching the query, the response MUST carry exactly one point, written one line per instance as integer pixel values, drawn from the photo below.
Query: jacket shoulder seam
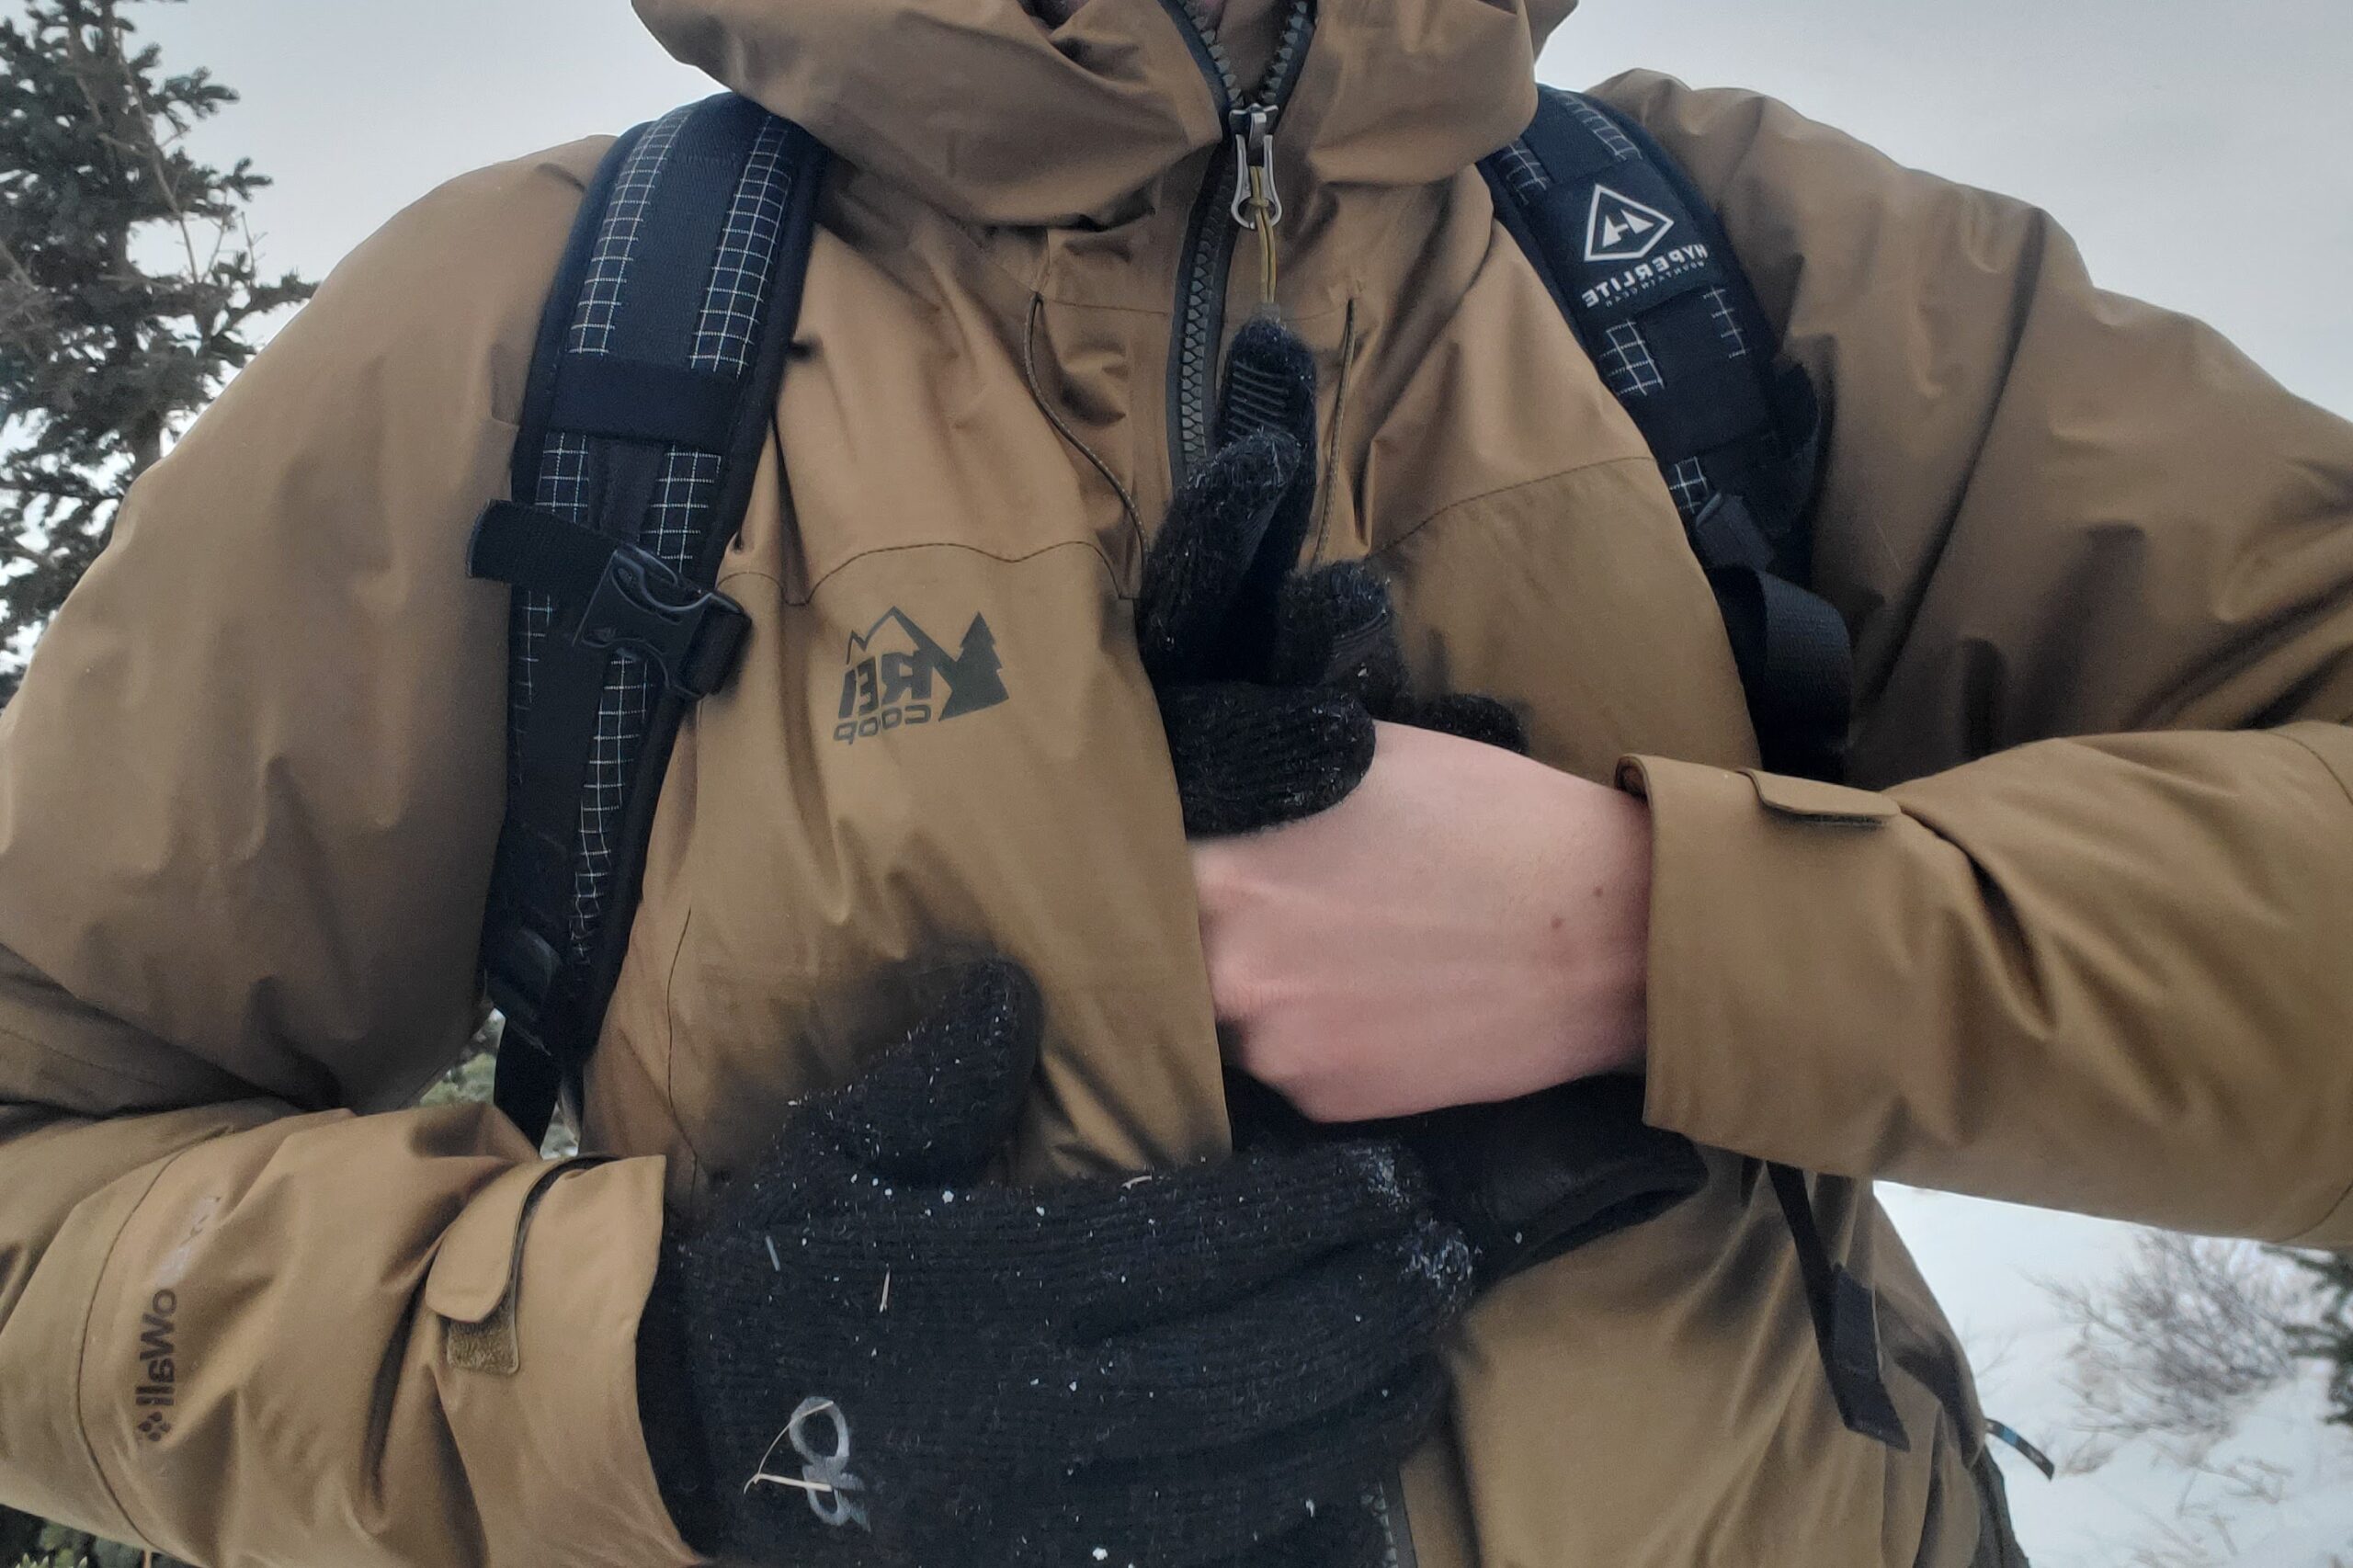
(47, 1048)
(2309, 1236)
(1451, 507)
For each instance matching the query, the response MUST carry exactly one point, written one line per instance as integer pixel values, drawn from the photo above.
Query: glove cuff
(672, 1418)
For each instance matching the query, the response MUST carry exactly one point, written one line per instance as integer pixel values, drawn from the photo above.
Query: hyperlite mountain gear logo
(160, 1359)
(1623, 229)
(896, 673)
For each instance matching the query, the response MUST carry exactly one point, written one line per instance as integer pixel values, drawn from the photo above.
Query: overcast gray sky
(2199, 150)
(2201, 153)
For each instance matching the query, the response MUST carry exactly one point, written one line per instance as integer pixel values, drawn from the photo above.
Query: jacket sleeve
(2083, 937)
(248, 795)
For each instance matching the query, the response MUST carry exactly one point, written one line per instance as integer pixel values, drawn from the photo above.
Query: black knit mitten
(866, 1358)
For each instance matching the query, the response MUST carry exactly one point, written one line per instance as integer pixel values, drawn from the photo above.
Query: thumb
(1337, 629)
(938, 1106)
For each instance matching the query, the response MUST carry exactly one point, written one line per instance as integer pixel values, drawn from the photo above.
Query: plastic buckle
(693, 634)
(520, 972)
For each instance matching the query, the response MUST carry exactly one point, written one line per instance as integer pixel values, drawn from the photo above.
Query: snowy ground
(2279, 1493)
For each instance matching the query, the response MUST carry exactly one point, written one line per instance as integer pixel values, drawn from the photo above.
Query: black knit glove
(868, 1359)
(1269, 680)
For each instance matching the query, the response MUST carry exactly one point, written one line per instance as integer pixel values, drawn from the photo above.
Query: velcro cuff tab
(1811, 799)
(477, 1270)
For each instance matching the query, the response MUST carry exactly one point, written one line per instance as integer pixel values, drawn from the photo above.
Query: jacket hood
(996, 116)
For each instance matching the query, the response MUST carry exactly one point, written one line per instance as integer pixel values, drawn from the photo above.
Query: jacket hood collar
(994, 116)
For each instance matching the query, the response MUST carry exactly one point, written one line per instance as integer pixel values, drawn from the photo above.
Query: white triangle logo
(1623, 229)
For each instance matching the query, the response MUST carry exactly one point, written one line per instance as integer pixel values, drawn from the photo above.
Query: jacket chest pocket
(1576, 600)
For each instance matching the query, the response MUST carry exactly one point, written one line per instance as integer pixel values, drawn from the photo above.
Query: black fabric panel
(678, 236)
(633, 400)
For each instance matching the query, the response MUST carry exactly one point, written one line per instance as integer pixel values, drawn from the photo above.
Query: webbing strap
(1845, 1322)
(1641, 269)
(658, 360)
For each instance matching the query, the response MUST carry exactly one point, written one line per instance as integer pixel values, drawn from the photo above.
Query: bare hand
(1468, 925)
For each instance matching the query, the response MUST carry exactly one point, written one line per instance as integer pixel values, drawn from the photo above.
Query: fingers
(1344, 1533)
(1291, 1354)
(1178, 1244)
(1336, 628)
(1252, 756)
(1270, 384)
(1203, 555)
(1244, 1504)
(940, 1105)
(1211, 583)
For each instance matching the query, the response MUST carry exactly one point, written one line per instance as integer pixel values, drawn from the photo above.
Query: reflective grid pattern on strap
(673, 528)
(1524, 171)
(1604, 128)
(1627, 364)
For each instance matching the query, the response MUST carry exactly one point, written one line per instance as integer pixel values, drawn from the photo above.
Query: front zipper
(1238, 190)
(1240, 196)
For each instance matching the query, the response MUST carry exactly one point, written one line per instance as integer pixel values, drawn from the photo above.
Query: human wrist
(1599, 902)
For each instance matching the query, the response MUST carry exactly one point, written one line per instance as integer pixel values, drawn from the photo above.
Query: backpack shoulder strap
(1640, 264)
(652, 385)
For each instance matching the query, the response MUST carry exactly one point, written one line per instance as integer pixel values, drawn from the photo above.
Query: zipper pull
(1257, 205)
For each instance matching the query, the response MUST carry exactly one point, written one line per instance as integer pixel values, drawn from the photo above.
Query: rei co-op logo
(900, 675)
(159, 1357)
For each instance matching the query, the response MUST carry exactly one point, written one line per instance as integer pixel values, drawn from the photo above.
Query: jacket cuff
(540, 1386)
(1747, 869)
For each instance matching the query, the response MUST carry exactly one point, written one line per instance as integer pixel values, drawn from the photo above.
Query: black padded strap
(627, 597)
(1642, 270)
(648, 404)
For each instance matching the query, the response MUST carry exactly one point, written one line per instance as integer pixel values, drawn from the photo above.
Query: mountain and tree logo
(1619, 227)
(898, 674)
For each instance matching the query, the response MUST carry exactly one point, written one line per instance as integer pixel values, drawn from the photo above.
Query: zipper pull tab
(1257, 205)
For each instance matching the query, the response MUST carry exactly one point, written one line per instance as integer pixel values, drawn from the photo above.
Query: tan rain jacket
(2078, 938)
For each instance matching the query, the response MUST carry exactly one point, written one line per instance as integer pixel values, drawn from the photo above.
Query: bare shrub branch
(2177, 1345)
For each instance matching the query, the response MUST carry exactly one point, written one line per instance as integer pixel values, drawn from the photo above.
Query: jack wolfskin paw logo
(152, 1428)
(896, 671)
